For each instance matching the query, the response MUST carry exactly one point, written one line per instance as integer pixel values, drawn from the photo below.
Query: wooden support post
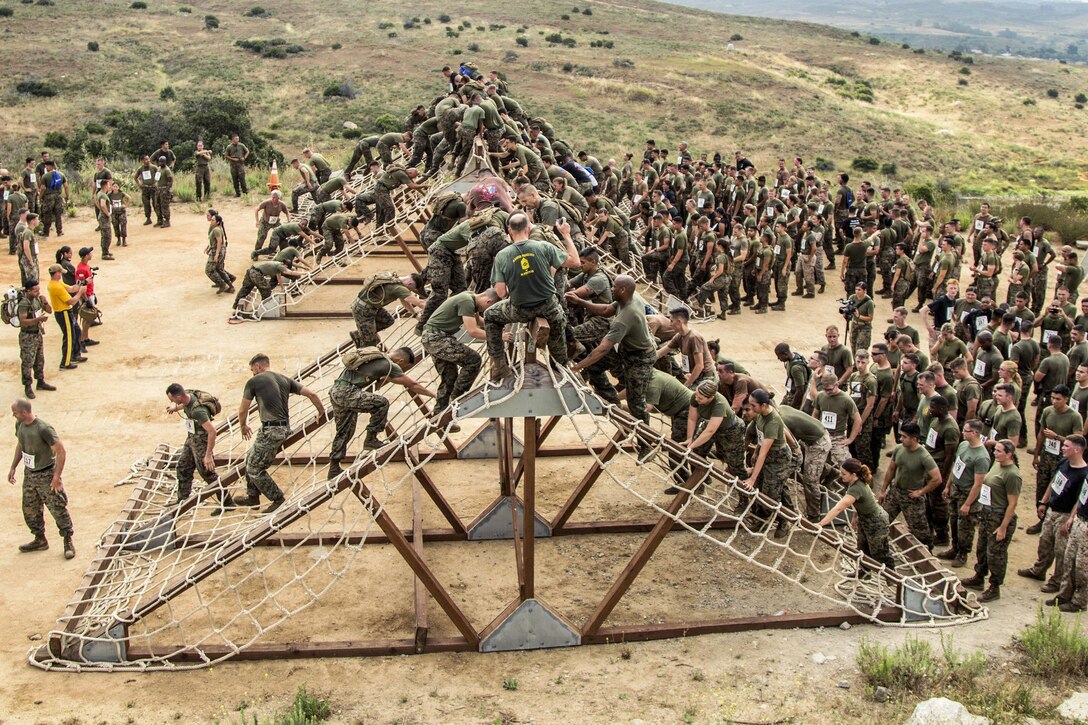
(528, 495)
(642, 556)
(420, 591)
(431, 488)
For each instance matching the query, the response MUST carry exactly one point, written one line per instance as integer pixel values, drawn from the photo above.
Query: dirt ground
(164, 323)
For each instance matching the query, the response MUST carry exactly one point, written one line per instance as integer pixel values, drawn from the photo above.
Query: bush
(1067, 221)
(388, 123)
(1029, 101)
(384, 26)
(962, 81)
(456, 51)
(570, 42)
(211, 22)
(40, 89)
(1052, 93)
(6, 12)
(92, 46)
(509, 56)
(889, 169)
(623, 63)
(564, 17)
(473, 47)
(554, 38)
(352, 133)
(919, 51)
(568, 67)
(1078, 106)
(735, 37)
(168, 94)
(587, 11)
(55, 140)
(343, 89)
(185, 10)
(874, 41)
(522, 41)
(138, 5)
(305, 710)
(94, 128)
(855, 34)
(823, 164)
(965, 71)
(336, 46)
(1053, 647)
(443, 18)
(392, 34)
(916, 668)
(1080, 98)
(864, 163)
(608, 44)
(409, 24)
(255, 12)
(905, 46)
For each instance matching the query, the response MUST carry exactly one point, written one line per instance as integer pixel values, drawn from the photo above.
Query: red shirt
(83, 272)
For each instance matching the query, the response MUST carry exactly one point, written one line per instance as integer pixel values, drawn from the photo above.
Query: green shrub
(352, 133)
(426, 21)
(889, 169)
(409, 24)
(391, 34)
(95, 129)
(608, 44)
(570, 42)
(905, 46)
(387, 123)
(1066, 221)
(343, 89)
(336, 46)
(40, 89)
(965, 71)
(919, 51)
(509, 56)
(443, 18)
(874, 41)
(255, 12)
(522, 41)
(864, 163)
(836, 81)
(823, 164)
(473, 47)
(962, 81)
(915, 667)
(1081, 98)
(554, 38)
(1053, 647)
(211, 22)
(735, 37)
(1029, 102)
(55, 140)
(1052, 93)
(138, 5)
(384, 25)
(564, 17)
(92, 46)
(1078, 106)
(568, 67)
(456, 51)
(623, 63)
(6, 12)
(185, 10)
(168, 94)
(587, 11)
(305, 710)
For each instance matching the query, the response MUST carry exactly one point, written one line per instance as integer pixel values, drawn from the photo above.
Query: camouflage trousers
(499, 315)
(105, 233)
(838, 454)
(963, 527)
(216, 271)
(1074, 587)
(861, 335)
(163, 197)
(991, 555)
(361, 152)
(481, 259)
(914, 513)
(298, 192)
(191, 461)
(812, 472)
(1052, 544)
(1039, 292)
(781, 282)
(900, 290)
(119, 220)
(851, 278)
(885, 263)
(52, 212)
(266, 444)
(937, 511)
(863, 444)
(238, 177)
(12, 243)
(728, 445)
(1048, 466)
(734, 289)
(369, 321)
(263, 228)
(457, 365)
(347, 402)
(203, 182)
(446, 275)
(383, 202)
(31, 200)
(38, 494)
(653, 263)
(147, 198)
(986, 286)
(465, 139)
(590, 332)
(776, 472)
(923, 280)
(254, 279)
(635, 370)
(675, 281)
(805, 275)
(333, 245)
(717, 287)
(872, 536)
(385, 153)
(31, 356)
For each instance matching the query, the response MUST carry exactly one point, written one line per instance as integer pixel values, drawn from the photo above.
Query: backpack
(798, 360)
(482, 218)
(849, 197)
(355, 359)
(375, 284)
(442, 201)
(208, 400)
(9, 309)
(572, 211)
(393, 168)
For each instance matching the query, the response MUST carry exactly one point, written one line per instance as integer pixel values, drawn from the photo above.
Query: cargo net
(181, 586)
(411, 208)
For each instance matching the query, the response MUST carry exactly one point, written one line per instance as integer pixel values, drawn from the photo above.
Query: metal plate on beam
(112, 648)
(918, 604)
(159, 534)
(497, 522)
(532, 625)
(538, 397)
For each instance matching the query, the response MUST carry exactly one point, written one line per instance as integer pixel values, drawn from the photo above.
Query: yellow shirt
(58, 295)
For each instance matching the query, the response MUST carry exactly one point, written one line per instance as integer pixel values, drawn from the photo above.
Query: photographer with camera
(858, 311)
(88, 309)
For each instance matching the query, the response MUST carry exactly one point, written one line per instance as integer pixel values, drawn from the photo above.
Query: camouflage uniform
(383, 200)
(863, 444)
(963, 527)
(861, 335)
(504, 312)
(28, 266)
(266, 444)
(105, 232)
(36, 493)
(254, 279)
(481, 256)
(263, 228)
(1074, 586)
(872, 535)
(716, 287)
(812, 472)
(914, 512)
(1052, 545)
(119, 220)
(775, 472)
(52, 211)
(369, 321)
(192, 460)
(31, 354)
(728, 444)
(164, 193)
(216, 270)
(456, 363)
(851, 279)
(446, 275)
(636, 370)
(991, 555)
(347, 402)
(147, 195)
(1048, 466)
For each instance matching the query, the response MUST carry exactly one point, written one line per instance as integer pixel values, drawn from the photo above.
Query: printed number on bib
(931, 438)
(273, 220)
(829, 419)
(1083, 494)
(959, 467)
(777, 249)
(979, 224)
(829, 369)
(1074, 404)
(984, 495)
(147, 176)
(855, 390)
(189, 424)
(116, 203)
(980, 368)
(28, 460)
(1053, 445)
(1047, 334)
(981, 322)
(1059, 483)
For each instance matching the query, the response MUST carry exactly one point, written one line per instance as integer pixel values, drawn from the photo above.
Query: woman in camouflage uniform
(870, 520)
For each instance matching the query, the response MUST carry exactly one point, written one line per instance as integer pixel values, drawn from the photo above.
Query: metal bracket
(158, 534)
(530, 625)
(497, 522)
(538, 397)
(272, 308)
(484, 443)
(112, 649)
(918, 605)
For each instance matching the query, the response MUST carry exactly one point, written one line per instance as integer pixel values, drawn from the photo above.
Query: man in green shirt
(816, 444)
(337, 230)
(51, 185)
(322, 169)
(368, 308)
(42, 455)
(202, 159)
(164, 193)
(970, 465)
(1055, 423)
(457, 364)
(524, 277)
(392, 178)
(669, 397)
(102, 214)
(340, 184)
(472, 125)
(911, 475)
(840, 360)
(861, 326)
(839, 415)
(198, 452)
(940, 440)
(118, 212)
(260, 277)
(987, 362)
(1052, 372)
(236, 154)
(362, 151)
(272, 392)
(145, 179)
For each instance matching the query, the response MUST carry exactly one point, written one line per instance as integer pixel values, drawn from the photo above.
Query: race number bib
(33, 177)
(1059, 483)
(272, 220)
(1047, 334)
(700, 202)
(959, 467)
(759, 436)
(979, 225)
(1083, 494)
(936, 266)
(963, 316)
(993, 434)
(789, 385)
(636, 198)
(116, 203)
(685, 364)
(820, 210)
(147, 175)
(777, 249)
(157, 175)
(829, 419)
(28, 460)
(770, 212)
(829, 369)
(189, 425)
(1074, 404)
(855, 390)
(1052, 445)
(980, 368)
(931, 438)
(35, 248)
(984, 495)
(980, 323)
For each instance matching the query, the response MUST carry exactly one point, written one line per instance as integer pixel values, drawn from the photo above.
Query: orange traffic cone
(274, 177)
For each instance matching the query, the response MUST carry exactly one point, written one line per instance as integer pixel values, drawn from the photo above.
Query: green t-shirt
(864, 501)
(288, 254)
(1004, 423)
(471, 119)
(382, 294)
(668, 394)
(392, 179)
(1000, 483)
(198, 414)
(1023, 353)
(270, 267)
(337, 222)
(941, 433)
(860, 388)
(238, 151)
(272, 392)
(854, 252)
(835, 412)
(1063, 424)
(333, 185)
(164, 177)
(116, 199)
(373, 371)
(628, 329)
(866, 307)
(597, 283)
(716, 408)
(1055, 369)
(839, 358)
(318, 162)
(966, 391)
(447, 318)
(803, 426)
(949, 350)
(456, 238)
(969, 462)
(36, 440)
(986, 364)
(912, 468)
(526, 268)
(771, 426)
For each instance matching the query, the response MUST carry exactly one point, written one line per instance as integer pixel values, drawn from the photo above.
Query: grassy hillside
(785, 87)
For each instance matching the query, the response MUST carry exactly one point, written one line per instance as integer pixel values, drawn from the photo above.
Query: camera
(848, 308)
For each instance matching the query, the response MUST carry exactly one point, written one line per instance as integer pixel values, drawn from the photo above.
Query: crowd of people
(941, 406)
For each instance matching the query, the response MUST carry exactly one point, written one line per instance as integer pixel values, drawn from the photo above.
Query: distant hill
(608, 75)
(1054, 30)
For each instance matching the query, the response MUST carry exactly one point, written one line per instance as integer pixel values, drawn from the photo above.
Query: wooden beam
(302, 650)
(435, 494)
(528, 494)
(419, 598)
